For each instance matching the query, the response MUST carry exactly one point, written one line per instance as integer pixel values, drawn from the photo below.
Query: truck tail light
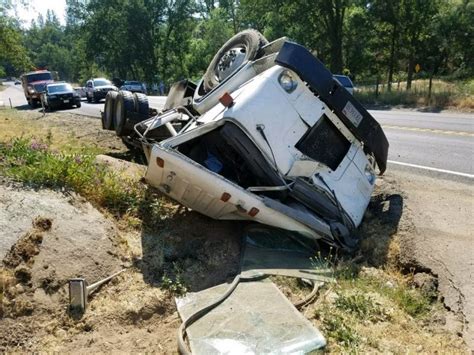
(160, 162)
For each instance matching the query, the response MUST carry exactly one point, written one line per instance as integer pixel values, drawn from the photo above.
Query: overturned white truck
(267, 135)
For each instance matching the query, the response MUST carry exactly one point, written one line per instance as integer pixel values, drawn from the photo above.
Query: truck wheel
(234, 54)
(124, 103)
(78, 104)
(109, 110)
(89, 100)
(141, 104)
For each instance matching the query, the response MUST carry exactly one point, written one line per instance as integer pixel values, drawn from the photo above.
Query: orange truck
(34, 84)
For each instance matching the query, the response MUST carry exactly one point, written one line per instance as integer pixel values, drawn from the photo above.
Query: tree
(13, 55)
(416, 17)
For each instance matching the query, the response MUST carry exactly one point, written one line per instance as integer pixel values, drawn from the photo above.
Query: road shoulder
(442, 241)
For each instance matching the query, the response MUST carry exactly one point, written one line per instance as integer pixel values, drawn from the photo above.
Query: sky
(36, 7)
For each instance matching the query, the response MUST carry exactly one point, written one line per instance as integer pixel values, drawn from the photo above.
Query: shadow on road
(25, 107)
(381, 107)
(429, 109)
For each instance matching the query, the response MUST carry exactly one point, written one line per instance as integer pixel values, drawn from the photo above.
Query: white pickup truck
(269, 136)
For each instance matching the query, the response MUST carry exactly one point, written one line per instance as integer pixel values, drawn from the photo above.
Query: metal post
(9, 99)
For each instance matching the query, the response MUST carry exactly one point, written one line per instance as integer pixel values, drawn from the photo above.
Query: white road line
(431, 169)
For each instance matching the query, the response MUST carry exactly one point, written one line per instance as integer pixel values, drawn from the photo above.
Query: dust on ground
(187, 252)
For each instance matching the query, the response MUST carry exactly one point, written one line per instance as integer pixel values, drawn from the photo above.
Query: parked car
(346, 82)
(133, 86)
(81, 91)
(34, 84)
(17, 82)
(267, 135)
(97, 89)
(59, 95)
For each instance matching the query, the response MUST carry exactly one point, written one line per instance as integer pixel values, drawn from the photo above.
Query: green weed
(411, 301)
(335, 326)
(175, 284)
(336, 266)
(361, 306)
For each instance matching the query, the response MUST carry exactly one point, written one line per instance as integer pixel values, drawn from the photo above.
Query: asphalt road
(431, 143)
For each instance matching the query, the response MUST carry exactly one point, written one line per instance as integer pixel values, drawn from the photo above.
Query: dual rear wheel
(123, 110)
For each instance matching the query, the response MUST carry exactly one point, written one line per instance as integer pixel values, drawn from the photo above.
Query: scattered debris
(79, 291)
(252, 299)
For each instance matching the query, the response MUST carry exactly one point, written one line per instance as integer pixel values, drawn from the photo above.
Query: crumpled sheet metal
(256, 319)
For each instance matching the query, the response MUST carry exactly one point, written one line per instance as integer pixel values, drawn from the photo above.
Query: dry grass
(60, 130)
(444, 95)
(376, 311)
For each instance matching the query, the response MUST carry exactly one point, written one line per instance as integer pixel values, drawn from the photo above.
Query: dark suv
(60, 95)
(97, 89)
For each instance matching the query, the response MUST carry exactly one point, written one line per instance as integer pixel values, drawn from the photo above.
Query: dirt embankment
(136, 310)
(69, 239)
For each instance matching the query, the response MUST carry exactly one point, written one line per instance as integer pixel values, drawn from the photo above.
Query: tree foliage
(166, 40)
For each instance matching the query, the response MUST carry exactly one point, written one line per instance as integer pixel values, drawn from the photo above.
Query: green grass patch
(336, 326)
(32, 162)
(362, 307)
(409, 300)
(173, 281)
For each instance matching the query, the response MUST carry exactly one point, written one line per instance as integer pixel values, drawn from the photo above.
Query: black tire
(141, 104)
(78, 104)
(124, 103)
(250, 41)
(89, 100)
(108, 118)
(32, 103)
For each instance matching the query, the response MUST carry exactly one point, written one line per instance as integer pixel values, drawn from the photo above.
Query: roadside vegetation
(369, 309)
(365, 309)
(36, 156)
(444, 94)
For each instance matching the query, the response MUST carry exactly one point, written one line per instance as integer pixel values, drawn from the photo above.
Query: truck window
(30, 78)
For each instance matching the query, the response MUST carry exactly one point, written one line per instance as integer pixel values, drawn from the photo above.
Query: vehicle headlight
(287, 81)
(369, 173)
(31, 89)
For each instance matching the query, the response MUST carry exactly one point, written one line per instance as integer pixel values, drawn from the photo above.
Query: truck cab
(278, 141)
(34, 84)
